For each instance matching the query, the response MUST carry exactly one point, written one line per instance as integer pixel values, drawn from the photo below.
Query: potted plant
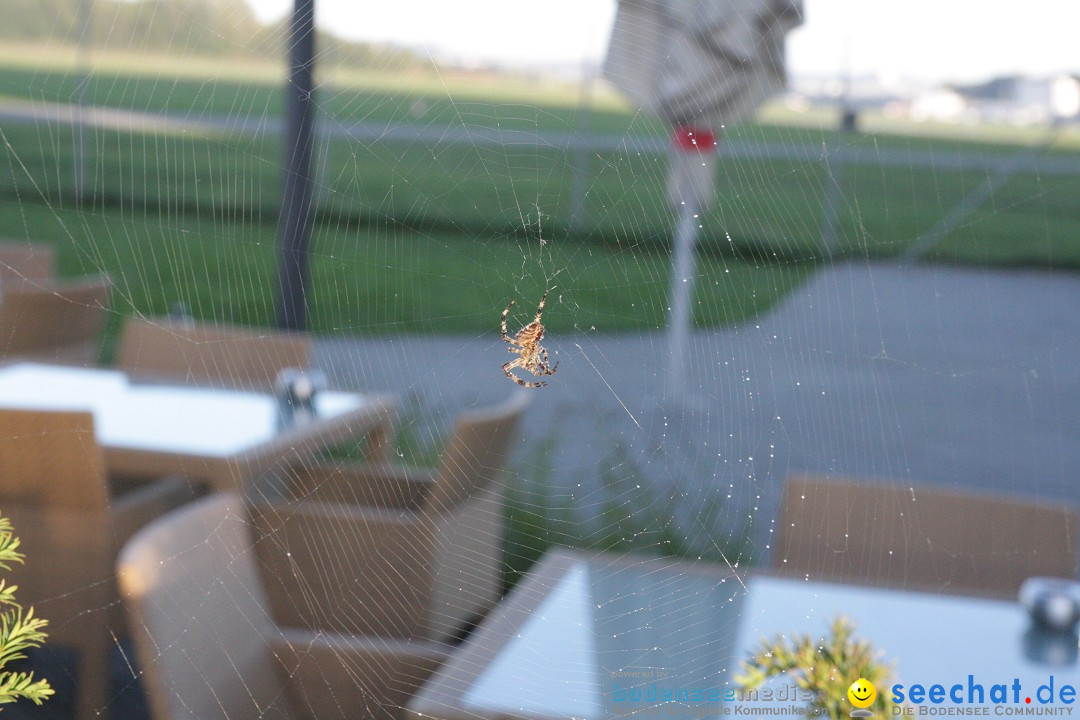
(827, 667)
(19, 630)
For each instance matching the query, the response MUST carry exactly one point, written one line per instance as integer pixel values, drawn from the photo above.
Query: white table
(224, 437)
(570, 637)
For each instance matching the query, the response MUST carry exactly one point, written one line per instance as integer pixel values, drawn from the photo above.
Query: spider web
(891, 304)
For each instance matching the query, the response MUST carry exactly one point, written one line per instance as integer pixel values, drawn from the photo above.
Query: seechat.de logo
(862, 694)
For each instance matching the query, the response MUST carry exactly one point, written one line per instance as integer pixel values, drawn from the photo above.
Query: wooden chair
(21, 260)
(209, 354)
(54, 488)
(921, 538)
(378, 548)
(207, 645)
(57, 321)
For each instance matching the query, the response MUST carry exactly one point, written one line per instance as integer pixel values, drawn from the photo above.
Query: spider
(526, 343)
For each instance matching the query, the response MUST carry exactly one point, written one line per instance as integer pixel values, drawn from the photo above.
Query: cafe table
(594, 636)
(219, 436)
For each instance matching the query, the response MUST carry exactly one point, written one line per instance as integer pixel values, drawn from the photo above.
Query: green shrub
(827, 667)
(19, 630)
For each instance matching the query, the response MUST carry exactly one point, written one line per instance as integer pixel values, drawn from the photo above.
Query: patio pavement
(912, 374)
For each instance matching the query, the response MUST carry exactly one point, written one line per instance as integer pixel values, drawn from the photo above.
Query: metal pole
(834, 195)
(294, 222)
(836, 162)
(83, 15)
(681, 322)
(579, 211)
(690, 186)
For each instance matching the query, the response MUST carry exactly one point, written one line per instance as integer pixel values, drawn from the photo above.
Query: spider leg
(523, 383)
(545, 364)
(540, 310)
(503, 322)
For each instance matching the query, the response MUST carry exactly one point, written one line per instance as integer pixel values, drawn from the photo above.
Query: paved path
(367, 132)
(953, 377)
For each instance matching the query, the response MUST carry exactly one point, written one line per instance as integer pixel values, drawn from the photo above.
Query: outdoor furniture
(217, 436)
(72, 519)
(165, 347)
(583, 631)
(402, 552)
(208, 648)
(576, 619)
(872, 533)
(22, 260)
(54, 321)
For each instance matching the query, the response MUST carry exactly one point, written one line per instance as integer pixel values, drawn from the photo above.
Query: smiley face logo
(862, 693)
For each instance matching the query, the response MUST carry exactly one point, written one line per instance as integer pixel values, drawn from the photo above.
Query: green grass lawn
(383, 278)
(182, 217)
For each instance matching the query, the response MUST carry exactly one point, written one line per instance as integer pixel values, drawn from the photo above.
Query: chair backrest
(50, 458)
(344, 568)
(373, 549)
(199, 617)
(26, 261)
(56, 321)
(476, 452)
(465, 509)
(212, 354)
(921, 538)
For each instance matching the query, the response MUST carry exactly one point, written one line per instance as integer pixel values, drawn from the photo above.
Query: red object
(687, 139)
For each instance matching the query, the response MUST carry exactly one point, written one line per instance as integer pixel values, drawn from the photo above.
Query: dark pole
(294, 222)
